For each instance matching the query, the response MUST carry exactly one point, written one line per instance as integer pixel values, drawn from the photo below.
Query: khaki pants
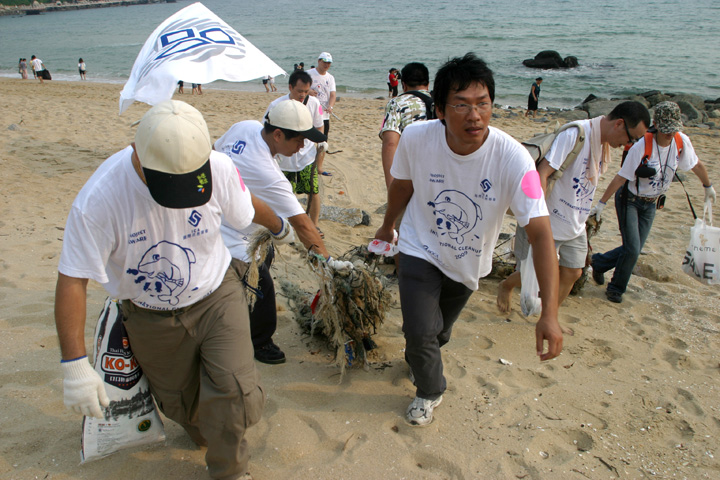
(199, 362)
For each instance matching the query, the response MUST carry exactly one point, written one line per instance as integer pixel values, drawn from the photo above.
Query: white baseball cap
(173, 145)
(293, 115)
(325, 57)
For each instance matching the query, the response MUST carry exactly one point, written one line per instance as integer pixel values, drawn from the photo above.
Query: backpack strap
(679, 142)
(648, 147)
(427, 99)
(579, 143)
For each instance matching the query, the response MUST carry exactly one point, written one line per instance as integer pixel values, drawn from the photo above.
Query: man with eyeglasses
(636, 193)
(570, 199)
(456, 177)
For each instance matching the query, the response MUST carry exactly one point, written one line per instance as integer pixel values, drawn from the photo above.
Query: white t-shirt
(307, 153)
(665, 161)
(160, 258)
(37, 65)
(570, 201)
(454, 216)
(244, 144)
(323, 85)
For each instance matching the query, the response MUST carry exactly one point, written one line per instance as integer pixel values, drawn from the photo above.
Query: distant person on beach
(401, 111)
(456, 178)
(570, 200)
(533, 97)
(271, 81)
(196, 88)
(638, 187)
(38, 67)
(253, 148)
(393, 82)
(301, 66)
(146, 226)
(323, 88)
(301, 168)
(265, 81)
(181, 86)
(81, 69)
(23, 68)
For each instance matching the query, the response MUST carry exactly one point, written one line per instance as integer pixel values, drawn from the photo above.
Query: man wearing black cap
(252, 146)
(146, 226)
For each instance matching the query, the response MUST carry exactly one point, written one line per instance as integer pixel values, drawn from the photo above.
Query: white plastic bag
(131, 419)
(702, 256)
(530, 303)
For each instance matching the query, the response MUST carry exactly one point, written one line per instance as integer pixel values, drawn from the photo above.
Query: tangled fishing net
(348, 308)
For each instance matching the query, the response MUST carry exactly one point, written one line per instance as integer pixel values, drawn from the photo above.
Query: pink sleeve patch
(531, 185)
(242, 184)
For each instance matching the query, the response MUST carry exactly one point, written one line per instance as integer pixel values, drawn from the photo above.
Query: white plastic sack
(702, 256)
(530, 303)
(131, 419)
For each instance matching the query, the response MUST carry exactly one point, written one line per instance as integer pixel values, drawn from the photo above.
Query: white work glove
(597, 210)
(709, 194)
(322, 146)
(84, 389)
(285, 235)
(343, 267)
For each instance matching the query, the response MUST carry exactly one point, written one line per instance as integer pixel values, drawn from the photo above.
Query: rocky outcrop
(550, 59)
(696, 112)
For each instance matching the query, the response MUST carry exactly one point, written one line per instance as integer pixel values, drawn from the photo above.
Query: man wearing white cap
(252, 147)
(323, 87)
(146, 226)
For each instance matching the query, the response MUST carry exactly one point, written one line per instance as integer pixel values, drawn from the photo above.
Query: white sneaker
(420, 411)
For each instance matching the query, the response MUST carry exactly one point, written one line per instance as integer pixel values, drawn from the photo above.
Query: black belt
(644, 199)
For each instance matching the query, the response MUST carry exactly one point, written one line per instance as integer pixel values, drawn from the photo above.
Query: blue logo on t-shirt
(194, 218)
(164, 271)
(238, 148)
(456, 213)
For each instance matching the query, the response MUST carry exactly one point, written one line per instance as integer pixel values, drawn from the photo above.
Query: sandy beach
(634, 395)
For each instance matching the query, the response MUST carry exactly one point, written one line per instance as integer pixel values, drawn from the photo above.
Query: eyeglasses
(630, 137)
(465, 108)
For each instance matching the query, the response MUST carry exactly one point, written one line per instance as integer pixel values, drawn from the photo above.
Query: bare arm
(70, 311)
(331, 100)
(265, 216)
(547, 270)
(545, 170)
(615, 184)
(308, 234)
(702, 174)
(399, 195)
(390, 142)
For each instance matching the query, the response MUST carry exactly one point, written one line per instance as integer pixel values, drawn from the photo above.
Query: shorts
(304, 181)
(265, 81)
(572, 252)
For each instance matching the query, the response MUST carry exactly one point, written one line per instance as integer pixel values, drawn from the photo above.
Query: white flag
(196, 46)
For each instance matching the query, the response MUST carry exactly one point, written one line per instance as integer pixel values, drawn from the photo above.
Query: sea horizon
(366, 40)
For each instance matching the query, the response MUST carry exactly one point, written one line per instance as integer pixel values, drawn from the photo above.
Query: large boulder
(599, 107)
(689, 110)
(572, 115)
(694, 100)
(657, 98)
(550, 59)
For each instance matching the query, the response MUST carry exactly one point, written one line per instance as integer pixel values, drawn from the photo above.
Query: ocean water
(622, 47)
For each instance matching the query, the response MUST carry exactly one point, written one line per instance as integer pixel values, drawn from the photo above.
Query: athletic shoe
(614, 297)
(598, 277)
(270, 354)
(420, 411)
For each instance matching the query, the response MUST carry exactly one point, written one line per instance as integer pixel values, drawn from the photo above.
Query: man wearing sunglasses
(571, 197)
(637, 188)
